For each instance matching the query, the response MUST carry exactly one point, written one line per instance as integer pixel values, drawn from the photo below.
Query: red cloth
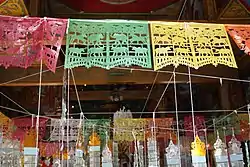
(42, 164)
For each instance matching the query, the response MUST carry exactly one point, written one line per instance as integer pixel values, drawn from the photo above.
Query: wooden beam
(105, 95)
(34, 7)
(98, 76)
(210, 10)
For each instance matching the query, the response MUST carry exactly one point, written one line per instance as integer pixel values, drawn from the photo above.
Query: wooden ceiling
(231, 11)
(117, 6)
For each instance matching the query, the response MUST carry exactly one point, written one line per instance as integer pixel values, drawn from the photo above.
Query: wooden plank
(34, 7)
(98, 76)
(105, 95)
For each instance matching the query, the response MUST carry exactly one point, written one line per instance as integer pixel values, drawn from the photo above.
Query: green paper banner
(107, 44)
(100, 126)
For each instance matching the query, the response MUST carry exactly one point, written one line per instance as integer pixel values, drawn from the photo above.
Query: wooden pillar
(224, 96)
(210, 10)
(34, 7)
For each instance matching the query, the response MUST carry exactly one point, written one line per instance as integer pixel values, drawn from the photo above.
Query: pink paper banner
(18, 134)
(49, 149)
(24, 124)
(26, 40)
(241, 36)
(199, 125)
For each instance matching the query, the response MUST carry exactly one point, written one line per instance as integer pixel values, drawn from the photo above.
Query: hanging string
(185, 74)
(160, 102)
(182, 9)
(32, 120)
(206, 141)
(149, 94)
(177, 117)
(77, 95)
(68, 116)
(64, 110)
(248, 111)
(191, 100)
(27, 76)
(15, 103)
(38, 110)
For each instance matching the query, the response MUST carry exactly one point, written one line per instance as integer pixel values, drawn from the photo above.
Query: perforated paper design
(241, 36)
(99, 126)
(25, 40)
(125, 127)
(162, 126)
(6, 125)
(56, 130)
(107, 44)
(199, 125)
(190, 44)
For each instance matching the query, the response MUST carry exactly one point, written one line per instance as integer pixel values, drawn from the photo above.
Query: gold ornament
(198, 147)
(13, 8)
(94, 140)
(125, 126)
(30, 138)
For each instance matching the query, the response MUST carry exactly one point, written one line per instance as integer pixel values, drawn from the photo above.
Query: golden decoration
(162, 126)
(6, 125)
(235, 10)
(125, 127)
(94, 140)
(80, 140)
(198, 147)
(13, 8)
(190, 44)
(30, 138)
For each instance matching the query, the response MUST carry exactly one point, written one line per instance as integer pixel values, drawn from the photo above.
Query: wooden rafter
(98, 76)
(234, 10)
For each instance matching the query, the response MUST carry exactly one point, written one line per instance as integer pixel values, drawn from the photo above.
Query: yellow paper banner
(127, 129)
(190, 44)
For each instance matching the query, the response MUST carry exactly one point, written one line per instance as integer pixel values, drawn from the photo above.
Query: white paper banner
(56, 129)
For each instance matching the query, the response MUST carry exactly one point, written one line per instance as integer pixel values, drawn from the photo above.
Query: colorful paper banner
(241, 36)
(107, 44)
(162, 126)
(199, 125)
(190, 44)
(56, 133)
(6, 125)
(47, 149)
(26, 40)
(25, 124)
(127, 129)
(99, 126)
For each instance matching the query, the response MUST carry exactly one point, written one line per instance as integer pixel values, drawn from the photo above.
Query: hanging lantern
(123, 113)
(172, 155)
(235, 152)
(115, 154)
(220, 153)
(198, 153)
(153, 156)
(79, 160)
(94, 150)
(10, 154)
(138, 155)
(107, 155)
